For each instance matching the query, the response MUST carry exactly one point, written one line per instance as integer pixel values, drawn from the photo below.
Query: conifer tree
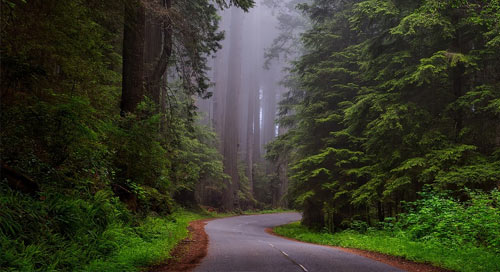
(397, 95)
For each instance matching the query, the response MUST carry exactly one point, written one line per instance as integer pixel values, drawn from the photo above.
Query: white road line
(288, 257)
(303, 268)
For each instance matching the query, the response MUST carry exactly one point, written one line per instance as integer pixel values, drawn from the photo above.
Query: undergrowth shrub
(62, 233)
(56, 231)
(453, 223)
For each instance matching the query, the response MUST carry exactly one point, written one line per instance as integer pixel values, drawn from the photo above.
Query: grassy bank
(268, 211)
(117, 247)
(61, 233)
(145, 245)
(465, 259)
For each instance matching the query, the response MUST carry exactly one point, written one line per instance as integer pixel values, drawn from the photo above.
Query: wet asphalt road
(242, 244)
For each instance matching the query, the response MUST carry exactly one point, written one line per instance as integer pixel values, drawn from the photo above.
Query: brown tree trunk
(221, 81)
(283, 178)
(269, 108)
(257, 127)
(231, 116)
(153, 45)
(133, 56)
(458, 92)
(158, 65)
(458, 80)
(251, 122)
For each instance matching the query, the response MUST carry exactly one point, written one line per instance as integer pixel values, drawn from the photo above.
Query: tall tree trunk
(458, 92)
(221, 81)
(160, 63)
(257, 126)
(497, 141)
(133, 56)
(283, 180)
(251, 122)
(153, 45)
(231, 116)
(270, 87)
(458, 79)
(269, 113)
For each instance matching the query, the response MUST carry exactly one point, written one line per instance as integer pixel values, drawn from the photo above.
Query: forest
(122, 121)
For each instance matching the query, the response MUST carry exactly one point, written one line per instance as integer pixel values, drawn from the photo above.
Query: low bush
(441, 218)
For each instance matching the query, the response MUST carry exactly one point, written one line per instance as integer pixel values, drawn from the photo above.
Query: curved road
(242, 244)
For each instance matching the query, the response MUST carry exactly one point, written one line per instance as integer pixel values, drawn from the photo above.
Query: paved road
(241, 244)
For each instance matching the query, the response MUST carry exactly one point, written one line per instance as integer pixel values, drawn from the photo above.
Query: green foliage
(199, 159)
(262, 184)
(148, 244)
(139, 152)
(57, 232)
(77, 218)
(60, 233)
(245, 196)
(390, 96)
(268, 211)
(454, 224)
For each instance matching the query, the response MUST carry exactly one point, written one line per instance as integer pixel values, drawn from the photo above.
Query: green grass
(146, 245)
(152, 242)
(119, 247)
(397, 244)
(211, 214)
(267, 211)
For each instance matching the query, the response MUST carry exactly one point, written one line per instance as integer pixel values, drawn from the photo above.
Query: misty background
(247, 74)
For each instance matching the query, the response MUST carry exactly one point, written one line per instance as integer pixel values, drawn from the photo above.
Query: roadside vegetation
(148, 244)
(98, 234)
(437, 229)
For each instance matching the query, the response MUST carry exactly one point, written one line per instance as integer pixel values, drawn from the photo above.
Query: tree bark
(269, 114)
(133, 57)
(162, 52)
(257, 127)
(250, 132)
(231, 116)
(221, 80)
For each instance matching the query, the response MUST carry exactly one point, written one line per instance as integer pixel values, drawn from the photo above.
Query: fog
(246, 91)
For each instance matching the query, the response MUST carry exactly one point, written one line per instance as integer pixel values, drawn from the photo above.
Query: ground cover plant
(66, 234)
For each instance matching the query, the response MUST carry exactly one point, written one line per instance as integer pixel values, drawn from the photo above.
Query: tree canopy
(392, 96)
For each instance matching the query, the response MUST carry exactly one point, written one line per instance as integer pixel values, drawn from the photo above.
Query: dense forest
(116, 116)
(389, 99)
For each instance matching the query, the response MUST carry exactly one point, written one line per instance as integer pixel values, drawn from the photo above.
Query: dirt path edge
(189, 252)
